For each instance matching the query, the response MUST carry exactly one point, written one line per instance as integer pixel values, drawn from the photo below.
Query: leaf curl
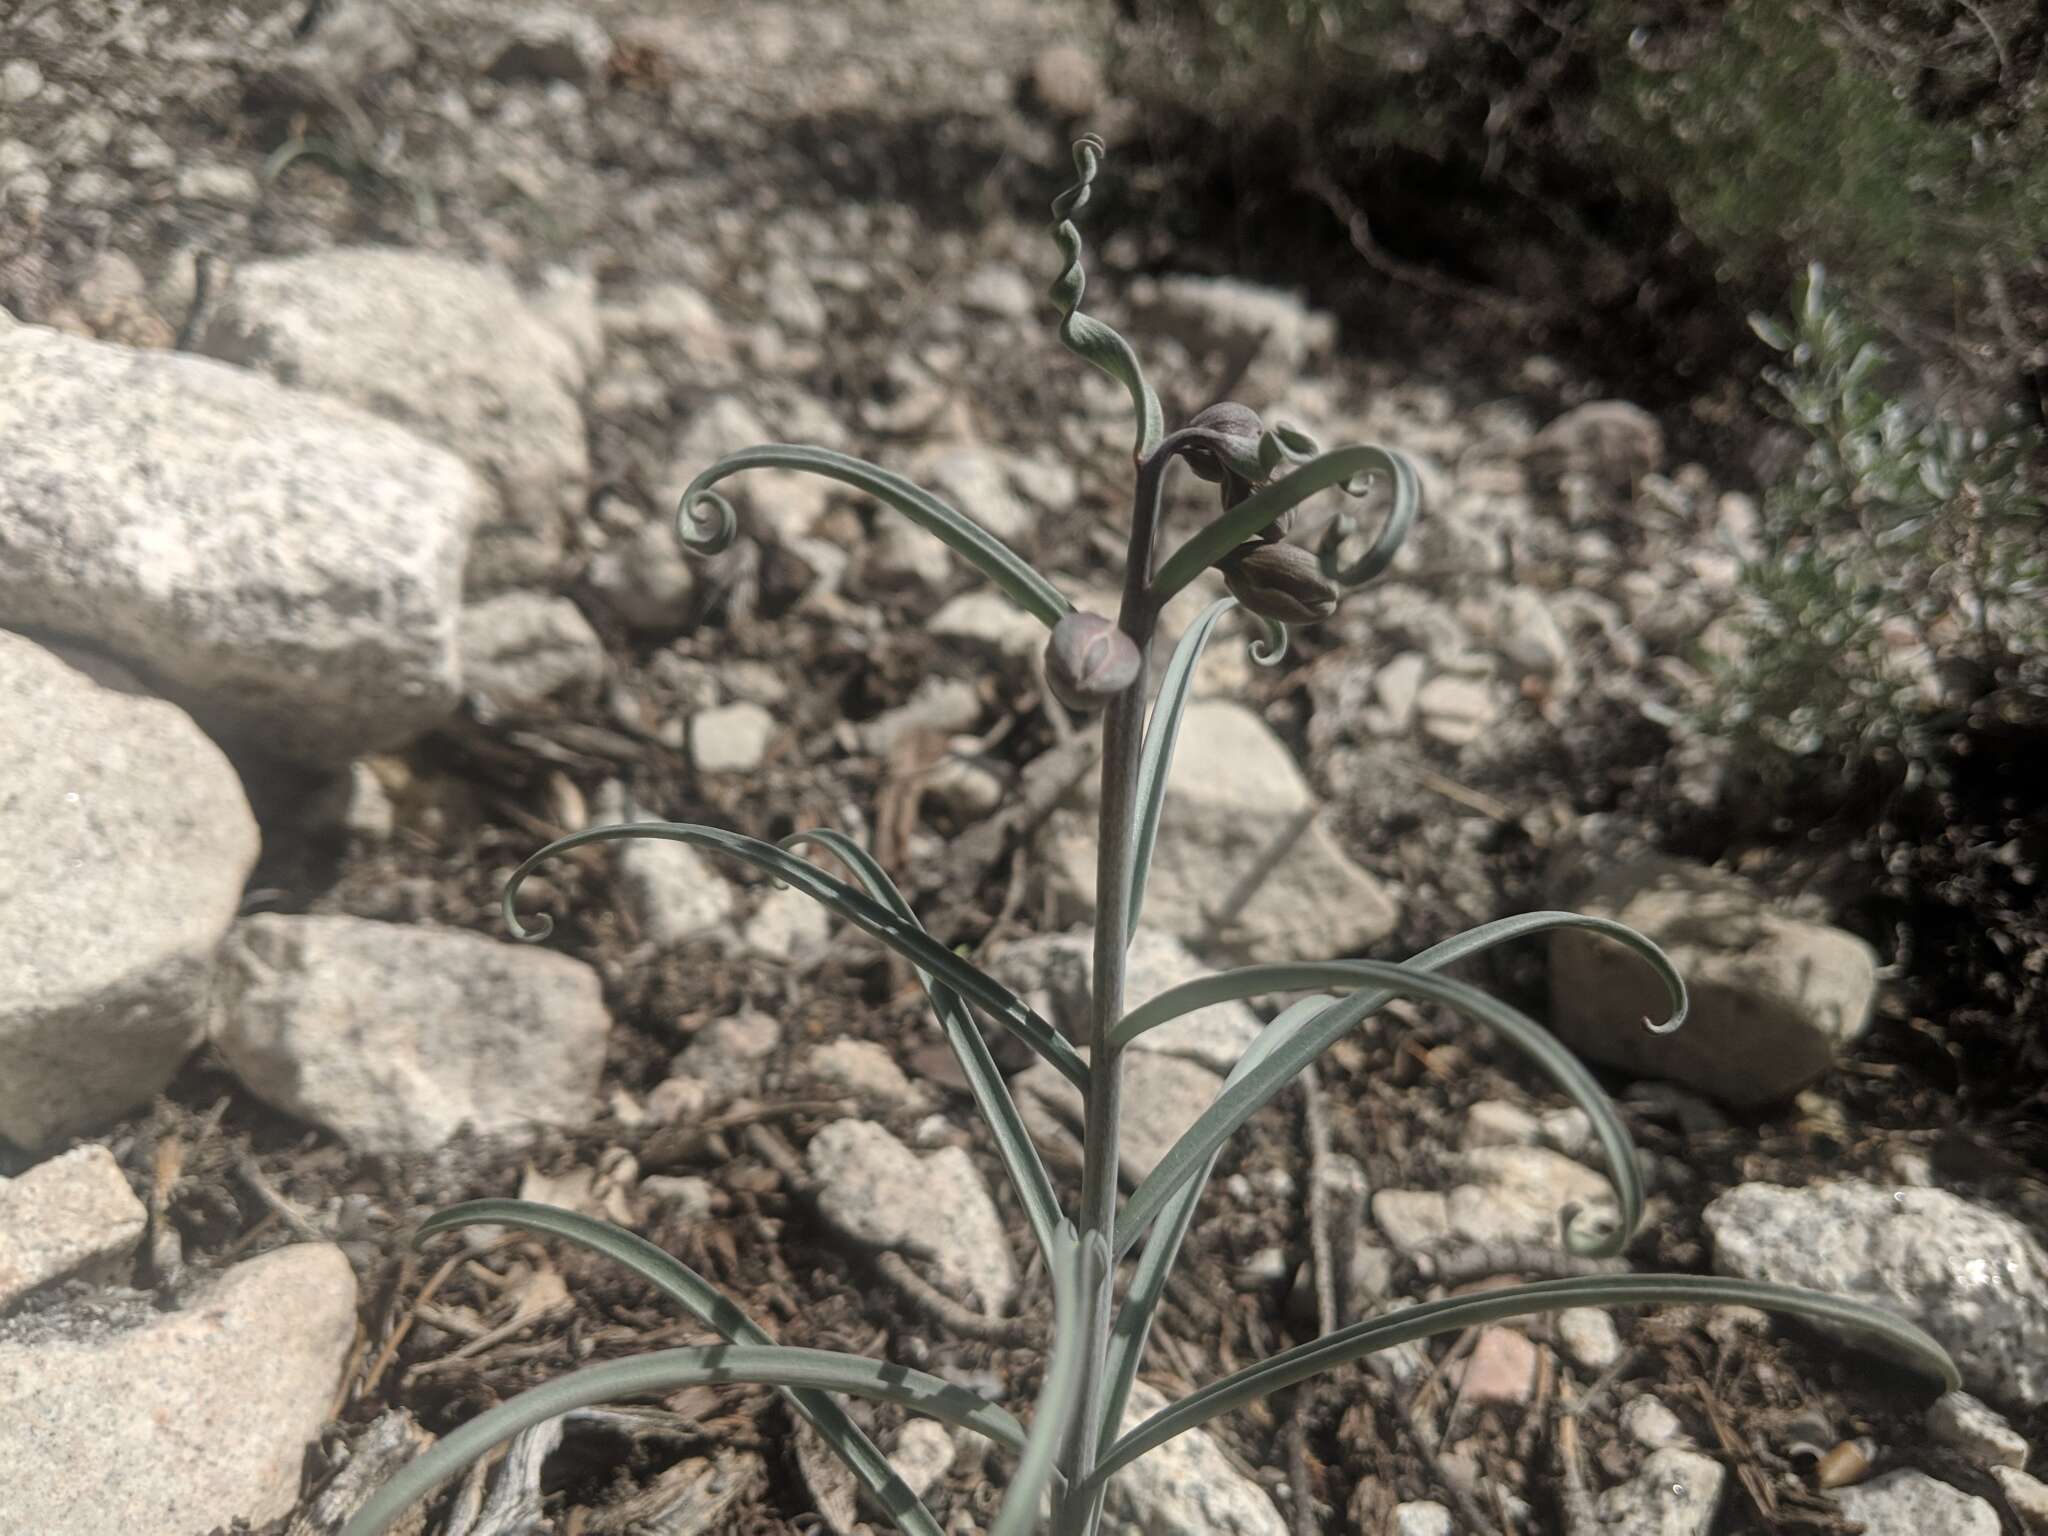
(707, 524)
(1086, 337)
(1910, 1344)
(1263, 506)
(715, 1310)
(1238, 1102)
(907, 938)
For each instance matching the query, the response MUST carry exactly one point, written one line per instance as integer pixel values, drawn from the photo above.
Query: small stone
(20, 80)
(974, 480)
(1501, 1367)
(1589, 1336)
(2027, 1495)
(941, 704)
(1497, 1123)
(129, 840)
(999, 290)
(788, 925)
(229, 186)
(1611, 441)
(1414, 1220)
(924, 1453)
(1910, 1503)
(793, 303)
(72, 1215)
(1957, 1419)
(990, 619)
(1528, 635)
(1067, 80)
(935, 1209)
(520, 648)
(1266, 1269)
(1973, 1277)
(1774, 998)
(863, 1070)
(1650, 1424)
(1531, 1189)
(1423, 1517)
(1674, 1494)
(731, 739)
(730, 1056)
(1397, 686)
(685, 1197)
(1456, 710)
(122, 1428)
(678, 1101)
(375, 1030)
(645, 578)
(674, 890)
(1163, 1096)
(550, 42)
(1188, 1486)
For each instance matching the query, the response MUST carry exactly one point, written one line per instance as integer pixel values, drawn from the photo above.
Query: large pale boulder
(118, 1417)
(128, 841)
(286, 567)
(447, 348)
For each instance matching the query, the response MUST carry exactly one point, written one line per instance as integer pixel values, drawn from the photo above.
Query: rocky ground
(356, 361)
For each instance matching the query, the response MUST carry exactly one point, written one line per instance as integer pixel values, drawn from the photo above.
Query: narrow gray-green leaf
(1085, 336)
(1163, 1242)
(716, 1311)
(1239, 1101)
(1892, 1334)
(906, 938)
(1018, 579)
(667, 1370)
(1079, 1270)
(1161, 732)
(1255, 512)
(984, 1078)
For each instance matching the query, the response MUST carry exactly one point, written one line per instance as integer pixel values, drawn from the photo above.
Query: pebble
(1650, 1424)
(1675, 1493)
(118, 1417)
(1000, 290)
(1959, 1420)
(676, 893)
(129, 840)
(924, 1453)
(1589, 1336)
(733, 738)
(71, 1215)
(375, 1030)
(1187, 1485)
(1423, 1517)
(1910, 1503)
(520, 648)
(645, 578)
(788, 926)
(1456, 710)
(20, 80)
(1497, 1123)
(229, 186)
(861, 1069)
(1501, 1367)
(1974, 1278)
(730, 1057)
(935, 1209)
(2027, 1495)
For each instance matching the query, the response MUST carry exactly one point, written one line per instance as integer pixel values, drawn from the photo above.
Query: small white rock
(1957, 1419)
(1456, 710)
(924, 1453)
(788, 925)
(230, 186)
(685, 1196)
(1650, 1424)
(1188, 1487)
(1412, 1219)
(519, 648)
(1910, 1503)
(732, 738)
(863, 1070)
(1674, 1494)
(675, 892)
(1497, 1123)
(729, 1056)
(2027, 1495)
(1422, 1517)
(1589, 1337)
(73, 1214)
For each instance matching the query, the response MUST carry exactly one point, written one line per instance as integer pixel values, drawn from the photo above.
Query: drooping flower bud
(1089, 661)
(1232, 449)
(1280, 581)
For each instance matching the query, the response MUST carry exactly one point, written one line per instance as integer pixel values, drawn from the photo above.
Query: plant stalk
(1123, 739)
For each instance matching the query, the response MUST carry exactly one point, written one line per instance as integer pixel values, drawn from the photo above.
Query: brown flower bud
(1233, 431)
(1089, 661)
(1280, 581)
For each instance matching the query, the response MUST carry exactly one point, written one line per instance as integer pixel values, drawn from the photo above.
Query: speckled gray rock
(1959, 1420)
(1910, 1503)
(862, 1069)
(519, 648)
(675, 892)
(396, 1037)
(128, 843)
(1187, 1487)
(1674, 1493)
(130, 1428)
(2027, 1495)
(1423, 1517)
(1973, 1278)
(72, 1215)
(935, 1209)
(283, 565)
(1774, 998)
(1063, 967)
(729, 1056)
(1233, 793)
(449, 349)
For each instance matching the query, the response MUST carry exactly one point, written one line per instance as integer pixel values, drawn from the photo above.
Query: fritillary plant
(1108, 1254)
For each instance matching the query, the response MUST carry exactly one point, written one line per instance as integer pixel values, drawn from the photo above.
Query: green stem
(1123, 740)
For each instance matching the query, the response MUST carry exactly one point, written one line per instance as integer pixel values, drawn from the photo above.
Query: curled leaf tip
(1083, 335)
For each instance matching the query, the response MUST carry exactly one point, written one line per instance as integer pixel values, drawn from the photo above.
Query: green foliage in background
(1905, 547)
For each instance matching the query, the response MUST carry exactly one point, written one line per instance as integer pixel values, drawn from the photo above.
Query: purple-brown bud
(1089, 661)
(1233, 449)
(1280, 581)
